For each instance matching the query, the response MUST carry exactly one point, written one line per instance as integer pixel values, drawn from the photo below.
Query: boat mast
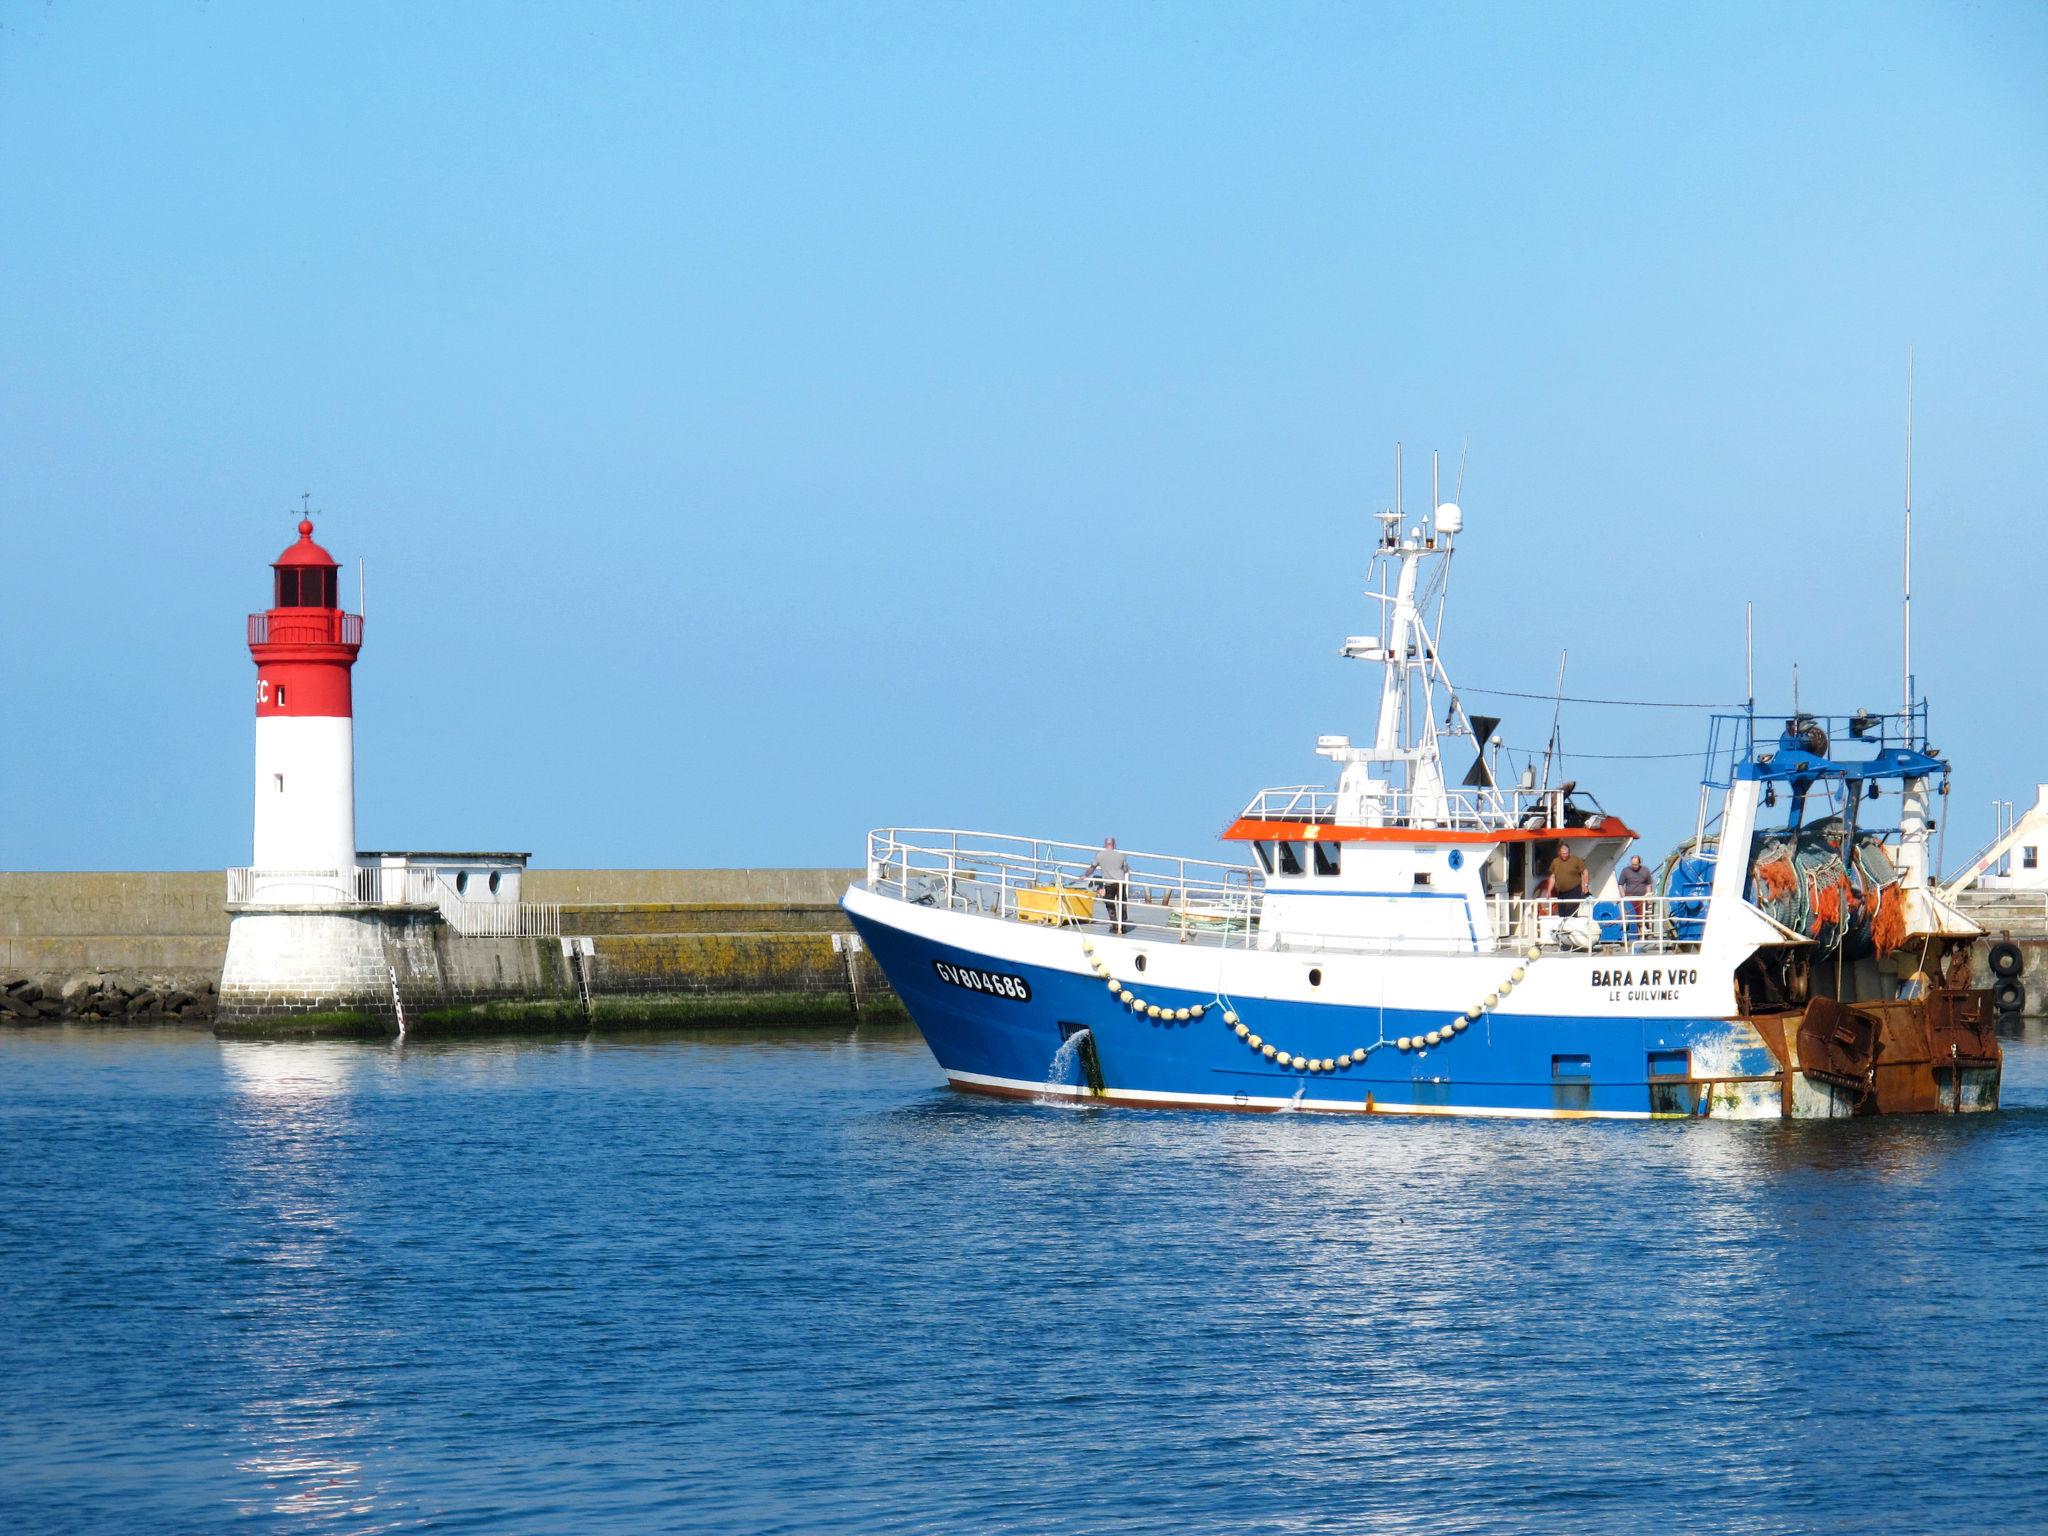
(1908, 617)
(1405, 731)
(1913, 864)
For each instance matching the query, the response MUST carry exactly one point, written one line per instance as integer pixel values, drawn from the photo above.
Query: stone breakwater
(105, 999)
(637, 948)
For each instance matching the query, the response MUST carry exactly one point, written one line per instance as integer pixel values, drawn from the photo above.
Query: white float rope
(1272, 1053)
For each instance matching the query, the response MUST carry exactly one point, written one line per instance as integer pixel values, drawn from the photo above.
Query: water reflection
(292, 1069)
(304, 1423)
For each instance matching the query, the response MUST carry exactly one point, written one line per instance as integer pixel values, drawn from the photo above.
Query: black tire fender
(2006, 959)
(2009, 996)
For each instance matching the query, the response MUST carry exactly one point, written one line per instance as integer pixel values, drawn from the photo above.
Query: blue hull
(990, 1039)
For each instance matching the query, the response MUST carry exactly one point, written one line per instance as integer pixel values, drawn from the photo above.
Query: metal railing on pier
(387, 887)
(1995, 911)
(502, 919)
(1032, 880)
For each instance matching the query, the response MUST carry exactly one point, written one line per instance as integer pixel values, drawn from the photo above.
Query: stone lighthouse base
(374, 972)
(308, 969)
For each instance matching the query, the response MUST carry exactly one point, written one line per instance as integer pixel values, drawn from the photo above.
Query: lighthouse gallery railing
(308, 626)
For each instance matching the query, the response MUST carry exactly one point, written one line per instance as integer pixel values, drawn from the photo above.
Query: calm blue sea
(789, 1283)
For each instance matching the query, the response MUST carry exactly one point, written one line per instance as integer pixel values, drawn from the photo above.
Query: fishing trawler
(1400, 943)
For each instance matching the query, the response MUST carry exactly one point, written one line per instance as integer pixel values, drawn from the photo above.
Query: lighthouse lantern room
(305, 648)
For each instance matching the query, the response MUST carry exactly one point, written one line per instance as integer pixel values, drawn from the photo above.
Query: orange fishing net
(1888, 927)
(1830, 900)
(1778, 878)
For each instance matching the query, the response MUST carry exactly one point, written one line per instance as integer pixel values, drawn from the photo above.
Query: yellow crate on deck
(1055, 904)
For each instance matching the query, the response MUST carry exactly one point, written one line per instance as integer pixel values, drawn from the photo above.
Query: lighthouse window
(306, 586)
(2030, 858)
(1326, 857)
(1290, 858)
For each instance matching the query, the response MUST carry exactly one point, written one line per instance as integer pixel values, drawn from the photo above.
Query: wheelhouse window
(1290, 858)
(1327, 857)
(1265, 853)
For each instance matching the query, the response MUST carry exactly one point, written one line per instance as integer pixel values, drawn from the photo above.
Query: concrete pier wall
(643, 947)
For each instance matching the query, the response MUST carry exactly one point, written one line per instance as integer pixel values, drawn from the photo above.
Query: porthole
(462, 883)
(1140, 962)
(495, 878)
(1315, 978)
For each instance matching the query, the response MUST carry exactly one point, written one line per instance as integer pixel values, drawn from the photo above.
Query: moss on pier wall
(630, 966)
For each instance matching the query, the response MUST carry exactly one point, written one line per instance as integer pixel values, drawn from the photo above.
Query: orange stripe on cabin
(1610, 829)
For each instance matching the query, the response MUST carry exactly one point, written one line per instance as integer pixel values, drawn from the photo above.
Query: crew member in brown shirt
(1567, 880)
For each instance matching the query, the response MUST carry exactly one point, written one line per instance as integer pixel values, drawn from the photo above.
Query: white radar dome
(1449, 519)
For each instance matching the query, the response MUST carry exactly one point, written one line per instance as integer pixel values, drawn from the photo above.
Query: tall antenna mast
(1908, 664)
(1749, 655)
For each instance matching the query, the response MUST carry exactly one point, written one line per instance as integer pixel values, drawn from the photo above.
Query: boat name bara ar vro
(1406, 942)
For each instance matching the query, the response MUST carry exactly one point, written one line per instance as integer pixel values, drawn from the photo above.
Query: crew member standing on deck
(1114, 870)
(1635, 886)
(1567, 880)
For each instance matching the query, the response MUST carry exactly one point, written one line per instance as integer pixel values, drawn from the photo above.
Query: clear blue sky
(765, 422)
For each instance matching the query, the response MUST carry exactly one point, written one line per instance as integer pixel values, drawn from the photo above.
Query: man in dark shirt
(1114, 870)
(1635, 885)
(1567, 880)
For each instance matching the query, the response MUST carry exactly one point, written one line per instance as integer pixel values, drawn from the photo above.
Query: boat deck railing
(1453, 810)
(1618, 925)
(1199, 901)
(1033, 880)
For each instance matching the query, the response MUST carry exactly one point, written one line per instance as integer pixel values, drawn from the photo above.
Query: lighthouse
(307, 925)
(305, 649)
(323, 938)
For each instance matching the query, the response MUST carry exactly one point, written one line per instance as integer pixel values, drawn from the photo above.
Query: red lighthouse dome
(304, 645)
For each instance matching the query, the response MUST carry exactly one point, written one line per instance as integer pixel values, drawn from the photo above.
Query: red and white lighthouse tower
(305, 649)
